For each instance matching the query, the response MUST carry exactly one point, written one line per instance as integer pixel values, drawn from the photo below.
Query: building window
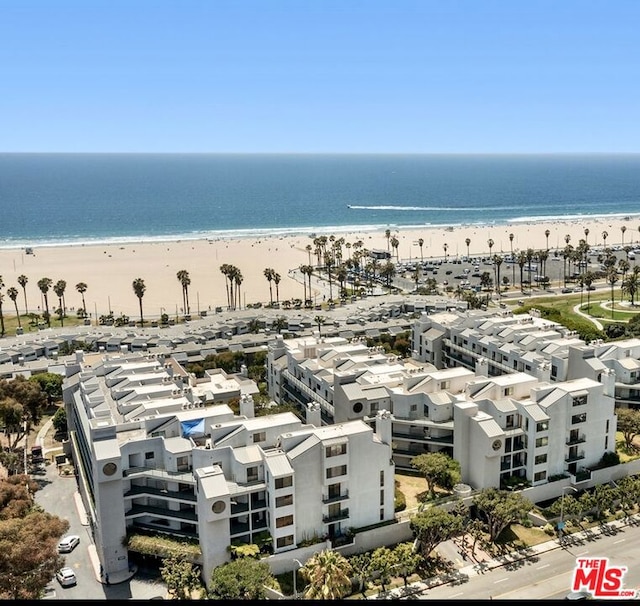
(542, 426)
(218, 507)
(444, 384)
(285, 541)
(336, 450)
(252, 474)
(414, 408)
(510, 421)
(382, 497)
(542, 442)
(284, 501)
(183, 463)
(607, 427)
(581, 418)
(579, 400)
(540, 459)
(149, 455)
(382, 515)
(284, 482)
(334, 472)
(382, 478)
(541, 475)
(260, 436)
(508, 391)
(374, 407)
(357, 407)
(284, 521)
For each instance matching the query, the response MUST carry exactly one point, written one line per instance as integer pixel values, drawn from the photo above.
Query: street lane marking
(456, 594)
(583, 552)
(501, 580)
(545, 566)
(619, 541)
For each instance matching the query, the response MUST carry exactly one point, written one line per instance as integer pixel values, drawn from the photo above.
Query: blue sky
(306, 76)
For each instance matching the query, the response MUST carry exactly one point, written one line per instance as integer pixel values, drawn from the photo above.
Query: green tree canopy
(328, 574)
(241, 579)
(628, 424)
(438, 469)
(408, 561)
(50, 383)
(500, 508)
(181, 577)
(434, 525)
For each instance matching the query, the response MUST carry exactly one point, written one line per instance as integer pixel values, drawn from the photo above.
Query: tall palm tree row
(22, 280)
(59, 287)
(269, 273)
(81, 287)
(13, 295)
(1, 314)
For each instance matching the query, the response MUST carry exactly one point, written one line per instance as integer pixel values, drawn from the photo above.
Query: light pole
(561, 522)
(295, 574)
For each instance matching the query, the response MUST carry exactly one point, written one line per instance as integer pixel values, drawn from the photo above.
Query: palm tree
(59, 288)
(328, 574)
(522, 259)
(1, 314)
(319, 320)
(22, 280)
(309, 248)
(237, 280)
(225, 269)
(623, 229)
(497, 262)
(185, 280)
(394, 244)
(612, 278)
(268, 274)
(586, 234)
(139, 287)
(44, 284)
(13, 295)
(420, 244)
(276, 281)
(467, 241)
(445, 247)
(387, 235)
(547, 233)
(513, 265)
(81, 287)
(630, 286)
(490, 242)
(588, 278)
(529, 254)
(604, 238)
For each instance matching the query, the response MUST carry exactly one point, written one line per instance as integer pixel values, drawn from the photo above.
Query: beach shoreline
(109, 270)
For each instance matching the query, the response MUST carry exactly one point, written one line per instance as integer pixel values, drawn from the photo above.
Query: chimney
(312, 414)
(383, 426)
(246, 406)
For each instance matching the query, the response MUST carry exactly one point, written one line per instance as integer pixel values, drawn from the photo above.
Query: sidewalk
(482, 567)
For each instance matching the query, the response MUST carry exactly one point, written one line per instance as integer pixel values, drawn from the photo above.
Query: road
(547, 575)
(57, 497)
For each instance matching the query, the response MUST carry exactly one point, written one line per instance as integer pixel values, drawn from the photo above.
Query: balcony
(584, 475)
(326, 499)
(164, 512)
(150, 472)
(575, 456)
(573, 440)
(343, 514)
(183, 495)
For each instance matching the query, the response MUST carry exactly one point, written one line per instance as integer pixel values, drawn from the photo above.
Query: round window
(109, 469)
(218, 507)
(497, 445)
(357, 407)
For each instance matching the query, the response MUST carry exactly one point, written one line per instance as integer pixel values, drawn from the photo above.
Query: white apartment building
(158, 451)
(498, 427)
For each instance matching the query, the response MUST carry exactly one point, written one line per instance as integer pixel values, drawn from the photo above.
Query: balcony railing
(181, 495)
(164, 512)
(343, 514)
(335, 498)
(579, 439)
(576, 456)
(175, 476)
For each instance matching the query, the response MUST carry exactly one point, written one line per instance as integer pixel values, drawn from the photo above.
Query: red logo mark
(600, 579)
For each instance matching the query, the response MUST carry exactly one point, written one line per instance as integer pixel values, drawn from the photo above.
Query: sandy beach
(109, 270)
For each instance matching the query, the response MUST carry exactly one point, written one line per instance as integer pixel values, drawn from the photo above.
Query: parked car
(66, 577)
(68, 543)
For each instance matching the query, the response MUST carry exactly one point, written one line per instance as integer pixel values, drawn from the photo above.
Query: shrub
(400, 501)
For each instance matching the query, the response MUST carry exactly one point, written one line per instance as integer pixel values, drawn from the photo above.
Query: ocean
(58, 199)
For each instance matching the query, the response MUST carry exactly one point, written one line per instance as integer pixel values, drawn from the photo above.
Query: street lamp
(561, 522)
(295, 574)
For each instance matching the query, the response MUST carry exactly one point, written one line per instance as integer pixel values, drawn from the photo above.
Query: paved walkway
(419, 587)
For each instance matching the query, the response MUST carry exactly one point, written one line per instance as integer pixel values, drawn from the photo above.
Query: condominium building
(159, 451)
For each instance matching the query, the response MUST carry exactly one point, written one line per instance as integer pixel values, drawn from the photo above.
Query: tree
(59, 287)
(384, 562)
(629, 425)
(28, 540)
(467, 241)
(630, 286)
(181, 577)
(408, 561)
(361, 570)
(1, 314)
(328, 574)
(268, 274)
(605, 234)
(185, 280)
(59, 421)
(490, 242)
(276, 281)
(319, 320)
(22, 280)
(44, 284)
(612, 278)
(139, 288)
(421, 244)
(547, 233)
(81, 287)
(438, 469)
(434, 525)
(13, 295)
(50, 383)
(500, 508)
(241, 579)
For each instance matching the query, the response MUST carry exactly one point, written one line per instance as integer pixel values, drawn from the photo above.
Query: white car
(66, 577)
(68, 543)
